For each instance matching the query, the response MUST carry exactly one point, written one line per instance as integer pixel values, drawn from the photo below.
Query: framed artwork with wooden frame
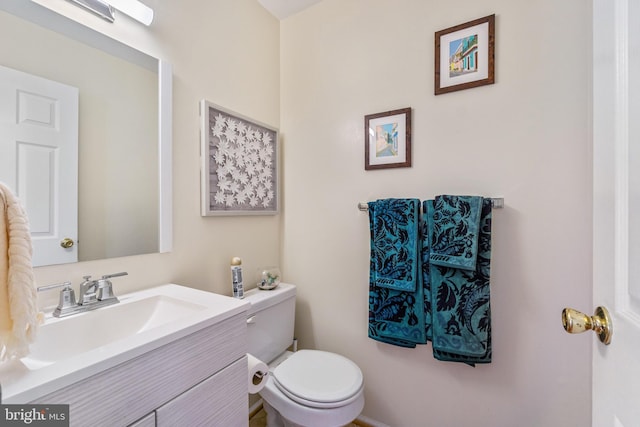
(464, 55)
(240, 158)
(387, 139)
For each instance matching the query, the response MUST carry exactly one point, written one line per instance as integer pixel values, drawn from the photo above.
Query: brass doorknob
(66, 243)
(576, 322)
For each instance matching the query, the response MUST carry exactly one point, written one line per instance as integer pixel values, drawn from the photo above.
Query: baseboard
(363, 421)
(255, 408)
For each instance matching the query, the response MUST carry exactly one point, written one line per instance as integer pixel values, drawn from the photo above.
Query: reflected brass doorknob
(66, 243)
(576, 322)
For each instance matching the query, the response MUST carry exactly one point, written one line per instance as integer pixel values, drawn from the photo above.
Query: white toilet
(308, 388)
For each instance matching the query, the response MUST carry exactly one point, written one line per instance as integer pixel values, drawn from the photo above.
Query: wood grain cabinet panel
(217, 401)
(134, 389)
(148, 421)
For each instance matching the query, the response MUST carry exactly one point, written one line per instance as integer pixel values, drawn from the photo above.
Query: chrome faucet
(91, 295)
(87, 293)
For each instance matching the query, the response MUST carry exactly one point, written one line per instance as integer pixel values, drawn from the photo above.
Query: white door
(616, 263)
(39, 159)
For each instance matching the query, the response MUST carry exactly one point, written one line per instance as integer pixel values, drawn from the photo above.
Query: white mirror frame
(165, 133)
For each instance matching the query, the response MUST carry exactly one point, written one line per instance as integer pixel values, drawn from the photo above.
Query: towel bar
(496, 203)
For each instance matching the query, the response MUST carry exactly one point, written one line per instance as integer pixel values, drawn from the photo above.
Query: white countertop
(34, 376)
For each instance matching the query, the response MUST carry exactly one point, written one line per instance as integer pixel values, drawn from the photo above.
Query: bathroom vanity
(200, 379)
(190, 369)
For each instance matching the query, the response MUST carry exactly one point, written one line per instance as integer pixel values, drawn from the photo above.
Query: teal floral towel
(396, 294)
(394, 243)
(446, 304)
(459, 312)
(425, 249)
(456, 223)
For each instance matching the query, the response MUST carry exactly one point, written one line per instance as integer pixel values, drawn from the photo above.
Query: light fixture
(100, 8)
(135, 9)
(138, 11)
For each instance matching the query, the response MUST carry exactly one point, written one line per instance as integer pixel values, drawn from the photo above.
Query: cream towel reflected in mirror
(19, 317)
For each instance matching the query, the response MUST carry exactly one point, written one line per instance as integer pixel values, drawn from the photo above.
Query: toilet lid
(319, 379)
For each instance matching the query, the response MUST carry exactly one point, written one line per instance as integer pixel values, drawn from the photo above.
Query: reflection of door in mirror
(39, 159)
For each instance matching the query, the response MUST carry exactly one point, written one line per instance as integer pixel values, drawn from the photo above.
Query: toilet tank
(270, 321)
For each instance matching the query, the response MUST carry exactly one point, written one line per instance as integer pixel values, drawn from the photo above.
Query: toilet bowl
(307, 388)
(313, 388)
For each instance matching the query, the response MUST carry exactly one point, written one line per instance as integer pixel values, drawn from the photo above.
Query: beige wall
(526, 138)
(226, 52)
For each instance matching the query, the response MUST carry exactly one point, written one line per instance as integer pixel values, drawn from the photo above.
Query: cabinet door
(148, 421)
(220, 400)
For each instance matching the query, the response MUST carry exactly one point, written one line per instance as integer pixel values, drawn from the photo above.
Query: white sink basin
(62, 338)
(73, 348)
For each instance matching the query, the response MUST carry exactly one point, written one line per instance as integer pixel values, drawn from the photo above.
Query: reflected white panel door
(616, 100)
(39, 159)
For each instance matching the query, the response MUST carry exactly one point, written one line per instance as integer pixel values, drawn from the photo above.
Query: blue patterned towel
(456, 223)
(425, 249)
(396, 295)
(460, 310)
(394, 243)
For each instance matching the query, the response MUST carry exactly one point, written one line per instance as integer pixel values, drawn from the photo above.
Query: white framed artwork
(239, 170)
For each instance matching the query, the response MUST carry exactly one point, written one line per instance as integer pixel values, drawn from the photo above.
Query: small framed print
(464, 55)
(387, 139)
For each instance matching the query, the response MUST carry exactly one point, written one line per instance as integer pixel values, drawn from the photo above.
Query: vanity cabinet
(148, 421)
(197, 380)
(194, 407)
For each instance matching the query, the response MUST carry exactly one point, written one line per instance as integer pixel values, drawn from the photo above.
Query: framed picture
(387, 139)
(464, 55)
(239, 171)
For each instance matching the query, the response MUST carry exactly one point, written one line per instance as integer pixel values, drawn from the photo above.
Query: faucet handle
(105, 287)
(109, 276)
(105, 290)
(54, 286)
(67, 297)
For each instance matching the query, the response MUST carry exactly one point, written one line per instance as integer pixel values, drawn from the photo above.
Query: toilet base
(274, 419)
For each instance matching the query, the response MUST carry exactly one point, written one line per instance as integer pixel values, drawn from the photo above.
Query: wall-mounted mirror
(123, 132)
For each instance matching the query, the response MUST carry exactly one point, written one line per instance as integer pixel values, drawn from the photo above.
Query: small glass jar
(269, 278)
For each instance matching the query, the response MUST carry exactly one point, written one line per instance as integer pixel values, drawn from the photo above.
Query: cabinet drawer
(125, 393)
(217, 401)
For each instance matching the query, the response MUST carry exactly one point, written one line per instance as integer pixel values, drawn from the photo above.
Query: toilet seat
(319, 379)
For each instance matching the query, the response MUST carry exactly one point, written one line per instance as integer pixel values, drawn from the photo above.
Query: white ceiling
(283, 8)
